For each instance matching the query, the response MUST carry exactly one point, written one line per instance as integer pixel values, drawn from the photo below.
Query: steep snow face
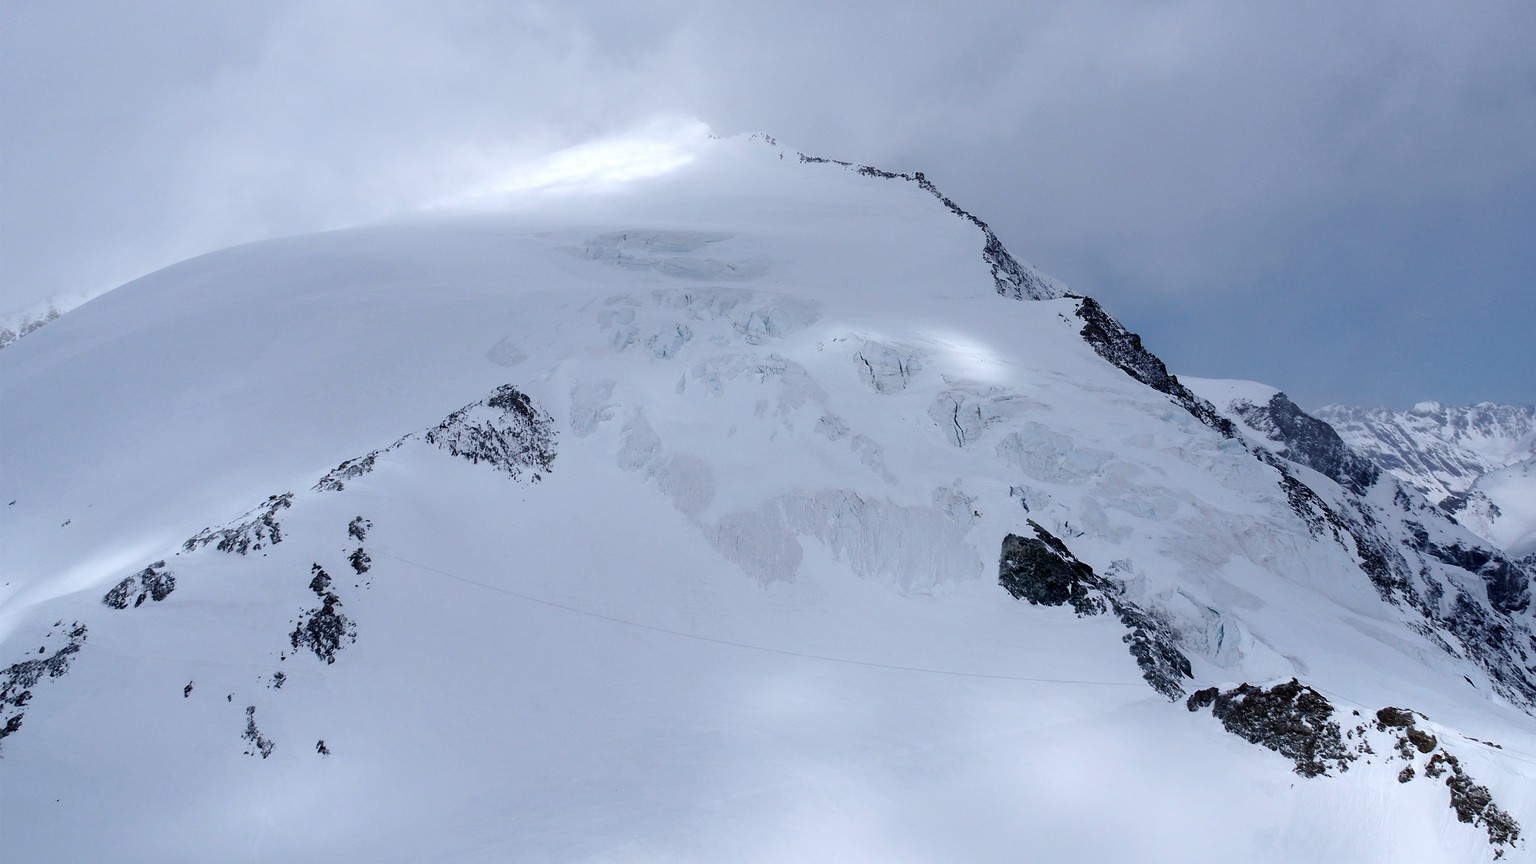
(731, 515)
(1451, 454)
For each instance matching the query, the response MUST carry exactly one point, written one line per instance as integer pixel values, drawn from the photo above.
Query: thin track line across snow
(770, 650)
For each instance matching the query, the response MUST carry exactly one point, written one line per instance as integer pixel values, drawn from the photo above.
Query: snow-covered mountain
(1438, 449)
(1476, 462)
(765, 508)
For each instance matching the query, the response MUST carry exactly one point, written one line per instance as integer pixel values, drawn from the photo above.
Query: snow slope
(667, 522)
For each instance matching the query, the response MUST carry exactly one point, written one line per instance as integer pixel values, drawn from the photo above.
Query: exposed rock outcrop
(1472, 801)
(256, 743)
(323, 630)
(255, 531)
(1110, 340)
(152, 583)
(1291, 719)
(18, 679)
(1309, 441)
(1044, 572)
(506, 430)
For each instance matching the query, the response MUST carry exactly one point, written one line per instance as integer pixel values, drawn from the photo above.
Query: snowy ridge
(750, 610)
(1013, 279)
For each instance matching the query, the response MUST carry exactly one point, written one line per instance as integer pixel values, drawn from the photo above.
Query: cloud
(1187, 150)
(315, 115)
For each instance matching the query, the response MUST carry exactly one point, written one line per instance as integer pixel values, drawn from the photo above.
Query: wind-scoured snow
(668, 523)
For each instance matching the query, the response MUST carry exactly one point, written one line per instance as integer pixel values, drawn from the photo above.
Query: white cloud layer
(1174, 158)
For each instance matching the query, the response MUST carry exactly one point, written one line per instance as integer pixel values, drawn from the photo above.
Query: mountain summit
(761, 508)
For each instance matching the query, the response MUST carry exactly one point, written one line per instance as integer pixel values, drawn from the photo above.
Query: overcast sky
(1338, 199)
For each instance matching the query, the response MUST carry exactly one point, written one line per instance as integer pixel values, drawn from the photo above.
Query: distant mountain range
(1476, 462)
